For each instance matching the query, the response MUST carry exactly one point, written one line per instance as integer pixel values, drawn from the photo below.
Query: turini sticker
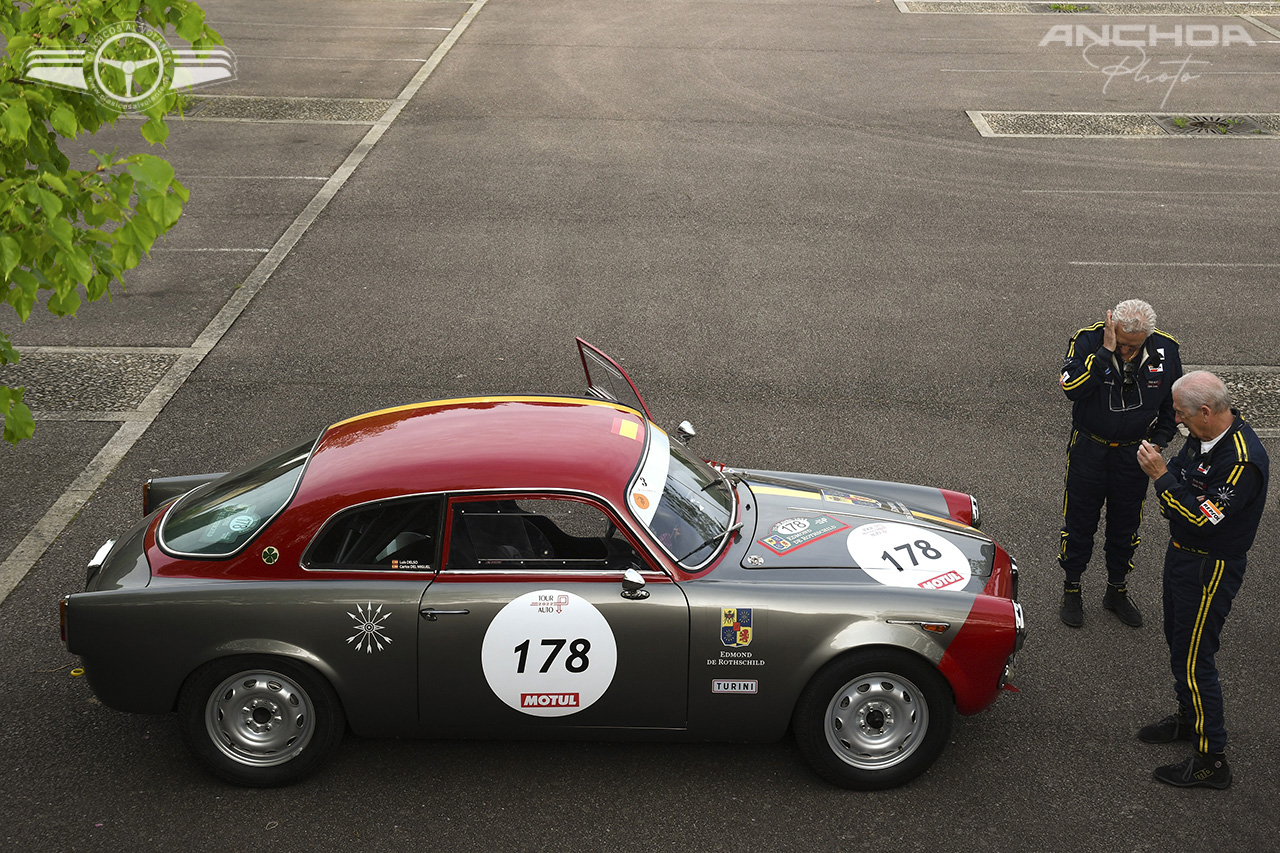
(549, 653)
(902, 555)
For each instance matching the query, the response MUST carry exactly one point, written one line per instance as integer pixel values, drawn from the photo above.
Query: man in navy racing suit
(1118, 375)
(1213, 493)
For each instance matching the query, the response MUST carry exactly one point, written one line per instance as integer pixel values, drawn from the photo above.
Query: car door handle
(430, 615)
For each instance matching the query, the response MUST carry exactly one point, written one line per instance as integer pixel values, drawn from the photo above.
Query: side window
(397, 535)
(536, 532)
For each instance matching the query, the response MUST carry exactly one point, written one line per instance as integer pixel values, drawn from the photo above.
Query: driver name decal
(549, 653)
(796, 532)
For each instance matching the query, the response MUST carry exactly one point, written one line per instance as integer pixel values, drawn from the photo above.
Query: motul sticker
(1211, 512)
(547, 700)
(942, 581)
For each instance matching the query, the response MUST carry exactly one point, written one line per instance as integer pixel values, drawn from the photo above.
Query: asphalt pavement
(782, 220)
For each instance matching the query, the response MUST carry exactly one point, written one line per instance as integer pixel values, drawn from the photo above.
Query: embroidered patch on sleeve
(1211, 512)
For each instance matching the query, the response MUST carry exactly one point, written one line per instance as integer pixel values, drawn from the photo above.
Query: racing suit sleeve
(1166, 424)
(1084, 365)
(1225, 494)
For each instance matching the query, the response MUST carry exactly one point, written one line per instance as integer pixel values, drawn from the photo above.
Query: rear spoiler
(158, 490)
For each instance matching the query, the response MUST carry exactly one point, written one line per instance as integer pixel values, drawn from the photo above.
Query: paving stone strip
(102, 381)
(996, 123)
(259, 108)
(1065, 9)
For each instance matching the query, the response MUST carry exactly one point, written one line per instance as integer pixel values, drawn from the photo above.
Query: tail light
(62, 619)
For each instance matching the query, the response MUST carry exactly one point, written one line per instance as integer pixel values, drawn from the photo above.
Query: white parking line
(1260, 25)
(330, 58)
(1170, 264)
(1157, 192)
(70, 502)
(1094, 71)
(166, 249)
(1018, 71)
(255, 177)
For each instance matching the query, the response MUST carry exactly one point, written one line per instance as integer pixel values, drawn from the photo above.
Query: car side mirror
(685, 431)
(633, 585)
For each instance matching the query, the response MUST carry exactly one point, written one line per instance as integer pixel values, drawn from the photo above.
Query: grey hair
(1134, 315)
(1201, 388)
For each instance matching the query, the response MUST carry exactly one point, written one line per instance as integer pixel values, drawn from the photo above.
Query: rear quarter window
(220, 518)
(400, 534)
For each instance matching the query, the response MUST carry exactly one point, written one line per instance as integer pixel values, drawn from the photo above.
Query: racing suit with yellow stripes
(1214, 503)
(1114, 406)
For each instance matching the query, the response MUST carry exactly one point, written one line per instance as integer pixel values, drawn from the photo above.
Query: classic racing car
(539, 567)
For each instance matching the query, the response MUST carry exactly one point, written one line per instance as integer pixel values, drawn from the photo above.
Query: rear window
(220, 518)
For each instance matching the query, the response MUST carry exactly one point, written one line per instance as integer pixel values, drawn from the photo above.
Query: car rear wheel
(260, 721)
(873, 719)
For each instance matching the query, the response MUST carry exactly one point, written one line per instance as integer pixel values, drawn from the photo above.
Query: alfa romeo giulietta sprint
(546, 567)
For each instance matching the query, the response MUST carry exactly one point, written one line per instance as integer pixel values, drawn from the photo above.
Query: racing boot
(1118, 601)
(1171, 728)
(1201, 770)
(1072, 610)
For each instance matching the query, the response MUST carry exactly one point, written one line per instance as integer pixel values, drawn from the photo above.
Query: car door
(607, 380)
(528, 625)
(357, 610)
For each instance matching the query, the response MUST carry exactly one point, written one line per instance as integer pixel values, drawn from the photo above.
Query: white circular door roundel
(549, 653)
(896, 554)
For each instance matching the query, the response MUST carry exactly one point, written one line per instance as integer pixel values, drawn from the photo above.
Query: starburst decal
(369, 624)
(1225, 494)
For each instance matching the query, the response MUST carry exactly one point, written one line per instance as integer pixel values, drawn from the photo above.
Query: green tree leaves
(68, 234)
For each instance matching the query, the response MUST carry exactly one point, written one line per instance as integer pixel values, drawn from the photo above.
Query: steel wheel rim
(876, 720)
(260, 718)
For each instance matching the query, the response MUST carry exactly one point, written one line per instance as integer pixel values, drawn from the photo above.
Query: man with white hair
(1118, 374)
(1213, 493)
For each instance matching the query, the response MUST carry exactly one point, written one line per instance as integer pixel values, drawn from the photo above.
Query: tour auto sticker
(902, 555)
(791, 533)
(549, 653)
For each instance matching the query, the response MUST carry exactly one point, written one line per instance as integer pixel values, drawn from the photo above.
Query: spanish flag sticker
(626, 429)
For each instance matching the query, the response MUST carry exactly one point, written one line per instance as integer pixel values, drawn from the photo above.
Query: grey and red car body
(546, 567)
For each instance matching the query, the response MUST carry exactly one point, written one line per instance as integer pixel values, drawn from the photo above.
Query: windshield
(686, 504)
(219, 519)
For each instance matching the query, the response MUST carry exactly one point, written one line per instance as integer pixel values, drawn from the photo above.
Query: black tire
(260, 721)
(873, 719)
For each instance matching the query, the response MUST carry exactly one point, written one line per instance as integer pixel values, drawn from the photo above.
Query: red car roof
(485, 443)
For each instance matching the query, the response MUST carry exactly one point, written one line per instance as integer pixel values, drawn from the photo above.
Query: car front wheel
(260, 721)
(873, 719)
